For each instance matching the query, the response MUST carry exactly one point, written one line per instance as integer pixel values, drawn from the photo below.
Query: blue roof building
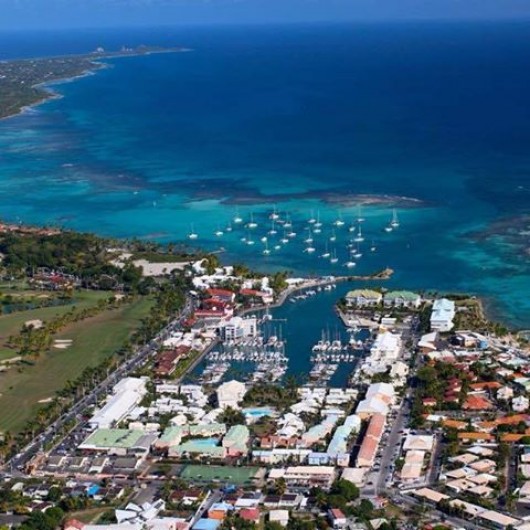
(207, 524)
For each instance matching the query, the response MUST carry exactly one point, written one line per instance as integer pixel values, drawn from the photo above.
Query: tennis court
(223, 474)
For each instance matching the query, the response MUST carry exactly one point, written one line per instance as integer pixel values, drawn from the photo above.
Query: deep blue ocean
(430, 119)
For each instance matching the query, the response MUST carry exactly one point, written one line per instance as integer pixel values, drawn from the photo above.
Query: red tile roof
(222, 293)
(337, 514)
(474, 402)
(249, 514)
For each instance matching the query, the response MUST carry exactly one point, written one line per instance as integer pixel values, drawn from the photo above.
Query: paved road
(214, 497)
(11, 520)
(455, 521)
(393, 445)
(17, 463)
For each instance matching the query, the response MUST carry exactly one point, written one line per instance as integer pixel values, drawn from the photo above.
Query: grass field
(94, 339)
(12, 323)
(223, 474)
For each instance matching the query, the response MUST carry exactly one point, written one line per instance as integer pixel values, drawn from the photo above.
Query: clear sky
(21, 14)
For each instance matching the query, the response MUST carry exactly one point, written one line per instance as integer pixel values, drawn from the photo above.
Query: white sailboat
(357, 253)
(309, 238)
(350, 264)
(395, 221)
(339, 221)
(218, 232)
(291, 234)
(263, 239)
(373, 248)
(284, 240)
(228, 227)
(359, 238)
(312, 219)
(237, 218)
(318, 224)
(288, 223)
(326, 254)
(360, 218)
(309, 250)
(192, 234)
(334, 258)
(333, 237)
(252, 224)
(266, 250)
(317, 227)
(274, 215)
(273, 231)
(277, 247)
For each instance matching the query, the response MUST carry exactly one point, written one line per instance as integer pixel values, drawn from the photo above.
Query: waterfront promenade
(313, 283)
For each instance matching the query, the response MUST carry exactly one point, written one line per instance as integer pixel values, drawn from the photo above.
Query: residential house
(520, 403)
(406, 299)
(230, 394)
(337, 518)
(364, 298)
(279, 516)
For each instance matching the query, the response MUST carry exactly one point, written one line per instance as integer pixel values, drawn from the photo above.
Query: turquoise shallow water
(299, 117)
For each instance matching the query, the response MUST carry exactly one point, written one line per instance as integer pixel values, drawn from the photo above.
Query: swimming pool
(259, 412)
(204, 442)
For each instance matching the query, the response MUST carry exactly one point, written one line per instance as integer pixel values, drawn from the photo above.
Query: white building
(279, 516)
(386, 346)
(239, 328)
(364, 298)
(505, 393)
(520, 404)
(322, 476)
(419, 442)
(230, 394)
(443, 313)
(399, 370)
(126, 395)
(378, 399)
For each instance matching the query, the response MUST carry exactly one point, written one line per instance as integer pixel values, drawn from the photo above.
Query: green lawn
(12, 323)
(94, 339)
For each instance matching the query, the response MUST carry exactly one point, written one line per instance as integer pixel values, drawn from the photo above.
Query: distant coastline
(25, 84)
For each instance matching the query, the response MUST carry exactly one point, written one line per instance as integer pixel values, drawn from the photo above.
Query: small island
(22, 82)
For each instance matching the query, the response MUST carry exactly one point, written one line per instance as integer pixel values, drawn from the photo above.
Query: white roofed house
(419, 442)
(399, 370)
(428, 341)
(520, 403)
(505, 393)
(230, 394)
(368, 407)
(443, 313)
(378, 399)
(382, 390)
(386, 346)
